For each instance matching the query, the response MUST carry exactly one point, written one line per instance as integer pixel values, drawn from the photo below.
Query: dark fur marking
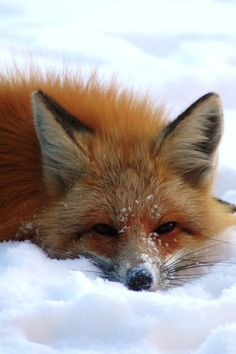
(212, 132)
(67, 120)
(186, 113)
(232, 207)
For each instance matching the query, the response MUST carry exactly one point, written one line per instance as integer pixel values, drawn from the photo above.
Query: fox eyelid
(104, 229)
(165, 228)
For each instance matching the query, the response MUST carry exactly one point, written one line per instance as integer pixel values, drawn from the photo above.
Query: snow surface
(178, 50)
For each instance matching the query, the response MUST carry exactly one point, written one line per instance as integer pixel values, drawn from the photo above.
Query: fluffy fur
(74, 155)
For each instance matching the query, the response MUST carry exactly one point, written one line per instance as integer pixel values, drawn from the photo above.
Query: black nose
(139, 278)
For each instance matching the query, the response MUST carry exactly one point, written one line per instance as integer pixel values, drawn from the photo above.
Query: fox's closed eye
(104, 229)
(166, 228)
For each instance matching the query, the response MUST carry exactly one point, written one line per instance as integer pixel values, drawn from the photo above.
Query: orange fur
(22, 189)
(134, 172)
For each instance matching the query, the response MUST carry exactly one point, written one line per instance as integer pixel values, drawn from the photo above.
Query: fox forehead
(122, 197)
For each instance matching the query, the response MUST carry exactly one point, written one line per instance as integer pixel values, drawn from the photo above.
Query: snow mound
(51, 307)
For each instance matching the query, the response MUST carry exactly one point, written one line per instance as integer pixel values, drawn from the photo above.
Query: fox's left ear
(188, 144)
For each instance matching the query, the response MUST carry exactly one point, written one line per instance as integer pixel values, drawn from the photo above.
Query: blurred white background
(179, 50)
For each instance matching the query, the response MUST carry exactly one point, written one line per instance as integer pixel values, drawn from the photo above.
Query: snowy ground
(179, 50)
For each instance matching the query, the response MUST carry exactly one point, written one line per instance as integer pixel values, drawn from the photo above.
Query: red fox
(87, 169)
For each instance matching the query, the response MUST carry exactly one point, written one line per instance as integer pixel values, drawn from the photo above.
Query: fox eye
(165, 228)
(104, 229)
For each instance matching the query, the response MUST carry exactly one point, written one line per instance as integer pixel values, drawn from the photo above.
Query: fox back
(89, 169)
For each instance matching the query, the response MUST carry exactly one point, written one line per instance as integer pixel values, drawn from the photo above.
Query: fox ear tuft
(63, 139)
(189, 143)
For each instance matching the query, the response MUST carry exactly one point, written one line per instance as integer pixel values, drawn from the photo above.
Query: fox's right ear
(63, 140)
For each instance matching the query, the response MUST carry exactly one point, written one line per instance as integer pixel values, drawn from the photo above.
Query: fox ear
(189, 143)
(63, 140)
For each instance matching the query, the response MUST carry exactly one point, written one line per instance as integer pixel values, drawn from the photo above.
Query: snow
(51, 306)
(178, 51)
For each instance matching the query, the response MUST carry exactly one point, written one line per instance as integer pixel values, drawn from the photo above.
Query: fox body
(88, 169)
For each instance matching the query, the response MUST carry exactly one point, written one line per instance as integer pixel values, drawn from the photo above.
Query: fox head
(134, 198)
